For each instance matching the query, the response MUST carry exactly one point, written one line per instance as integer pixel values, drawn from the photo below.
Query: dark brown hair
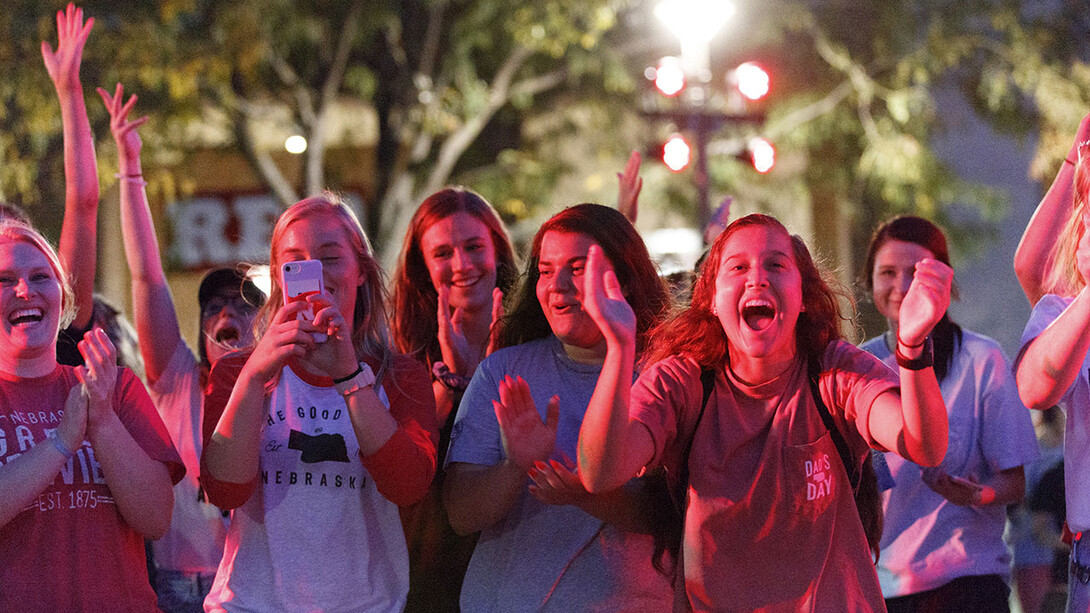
(911, 229)
(621, 244)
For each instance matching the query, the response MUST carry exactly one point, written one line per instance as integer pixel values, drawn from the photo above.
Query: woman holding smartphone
(314, 443)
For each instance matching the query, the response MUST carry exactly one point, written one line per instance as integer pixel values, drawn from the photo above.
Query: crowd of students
(564, 435)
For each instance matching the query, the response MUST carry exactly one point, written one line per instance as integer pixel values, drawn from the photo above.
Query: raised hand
(526, 440)
(557, 483)
(124, 131)
(458, 353)
(926, 301)
(98, 375)
(628, 192)
(604, 301)
(63, 64)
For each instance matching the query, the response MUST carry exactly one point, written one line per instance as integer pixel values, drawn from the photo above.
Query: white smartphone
(303, 278)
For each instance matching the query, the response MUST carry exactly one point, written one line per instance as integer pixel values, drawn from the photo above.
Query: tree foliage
(517, 99)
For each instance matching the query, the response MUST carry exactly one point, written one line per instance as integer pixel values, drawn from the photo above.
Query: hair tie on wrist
(139, 178)
(452, 380)
(926, 359)
(907, 346)
(358, 370)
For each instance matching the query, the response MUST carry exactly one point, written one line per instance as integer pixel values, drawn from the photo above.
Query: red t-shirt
(771, 523)
(70, 549)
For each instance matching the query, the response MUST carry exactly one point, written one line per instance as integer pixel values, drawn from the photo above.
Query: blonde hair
(1063, 276)
(17, 231)
(370, 329)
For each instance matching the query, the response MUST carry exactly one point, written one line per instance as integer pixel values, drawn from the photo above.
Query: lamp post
(695, 23)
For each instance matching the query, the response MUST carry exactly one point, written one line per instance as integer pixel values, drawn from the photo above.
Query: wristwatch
(364, 377)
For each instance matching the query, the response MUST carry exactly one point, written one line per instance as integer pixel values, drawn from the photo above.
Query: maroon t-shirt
(70, 549)
(771, 523)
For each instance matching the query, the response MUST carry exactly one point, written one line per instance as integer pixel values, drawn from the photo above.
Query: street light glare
(698, 20)
(753, 81)
(295, 144)
(670, 76)
(676, 153)
(764, 154)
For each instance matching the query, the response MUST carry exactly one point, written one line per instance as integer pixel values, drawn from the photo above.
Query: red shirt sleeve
(221, 381)
(404, 467)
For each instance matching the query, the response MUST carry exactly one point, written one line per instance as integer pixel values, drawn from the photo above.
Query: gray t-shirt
(543, 557)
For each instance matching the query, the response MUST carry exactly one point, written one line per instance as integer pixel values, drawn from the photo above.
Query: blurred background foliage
(537, 104)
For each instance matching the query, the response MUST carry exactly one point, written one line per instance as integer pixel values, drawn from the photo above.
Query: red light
(669, 76)
(763, 154)
(676, 153)
(752, 80)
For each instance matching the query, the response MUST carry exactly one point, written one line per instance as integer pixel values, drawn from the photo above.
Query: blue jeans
(1078, 576)
(181, 592)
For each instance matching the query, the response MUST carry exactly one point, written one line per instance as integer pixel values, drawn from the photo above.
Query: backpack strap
(813, 371)
(707, 383)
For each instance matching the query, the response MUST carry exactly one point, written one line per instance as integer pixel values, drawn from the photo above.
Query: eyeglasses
(236, 303)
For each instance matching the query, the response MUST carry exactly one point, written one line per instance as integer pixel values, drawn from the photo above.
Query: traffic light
(762, 154)
(751, 80)
(676, 153)
(669, 76)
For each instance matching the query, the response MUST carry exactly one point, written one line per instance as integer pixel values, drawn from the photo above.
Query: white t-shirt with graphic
(315, 523)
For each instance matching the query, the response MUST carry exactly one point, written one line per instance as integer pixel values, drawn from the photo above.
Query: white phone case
(301, 279)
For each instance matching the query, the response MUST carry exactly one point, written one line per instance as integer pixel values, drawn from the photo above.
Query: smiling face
(30, 302)
(559, 290)
(323, 237)
(894, 267)
(460, 255)
(758, 297)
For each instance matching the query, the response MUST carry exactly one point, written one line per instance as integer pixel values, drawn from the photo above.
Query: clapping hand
(98, 376)
(526, 439)
(557, 483)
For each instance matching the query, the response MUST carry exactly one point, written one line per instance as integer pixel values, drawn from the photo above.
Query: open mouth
(227, 336)
(758, 314)
(25, 317)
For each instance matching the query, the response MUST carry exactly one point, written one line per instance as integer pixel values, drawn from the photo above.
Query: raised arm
(23, 478)
(79, 228)
(914, 424)
(1050, 363)
(630, 185)
(1031, 259)
(153, 309)
(612, 448)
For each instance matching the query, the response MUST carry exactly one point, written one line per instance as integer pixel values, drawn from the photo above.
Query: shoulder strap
(813, 370)
(707, 383)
